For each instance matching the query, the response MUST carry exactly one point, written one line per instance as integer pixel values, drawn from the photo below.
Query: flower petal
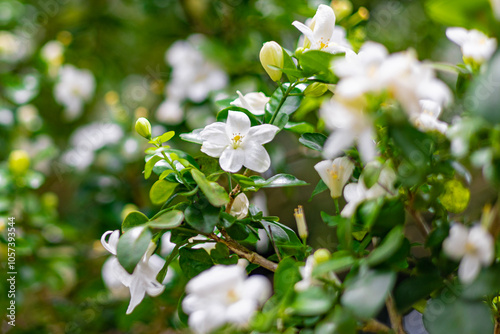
(366, 145)
(231, 160)
(469, 268)
(137, 293)
(257, 158)
(305, 30)
(454, 245)
(324, 24)
(261, 134)
(337, 142)
(237, 123)
(457, 35)
(215, 133)
(110, 245)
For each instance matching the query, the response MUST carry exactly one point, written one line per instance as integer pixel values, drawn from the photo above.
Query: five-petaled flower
(335, 174)
(236, 143)
(475, 45)
(474, 247)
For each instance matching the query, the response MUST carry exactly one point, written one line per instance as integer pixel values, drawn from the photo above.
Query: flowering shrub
(389, 165)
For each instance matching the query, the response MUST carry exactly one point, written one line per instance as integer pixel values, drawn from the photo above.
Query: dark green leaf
(285, 277)
(320, 187)
(314, 141)
(389, 246)
(220, 255)
(313, 301)
(215, 193)
(194, 261)
(416, 288)
(202, 218)
(486, 284)
(132, 246)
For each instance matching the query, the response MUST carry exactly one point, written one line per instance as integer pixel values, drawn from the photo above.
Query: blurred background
(74, 77)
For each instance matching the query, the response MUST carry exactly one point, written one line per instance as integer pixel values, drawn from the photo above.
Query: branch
(244, 252)
(396, 319)
(374, 326)
(422, 226)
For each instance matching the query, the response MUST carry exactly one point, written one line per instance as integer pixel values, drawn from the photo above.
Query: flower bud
(316, 89)
(19, 162)
(272, 54)
(240, 206)
(322, 255)
(300, 219)
(143, 127)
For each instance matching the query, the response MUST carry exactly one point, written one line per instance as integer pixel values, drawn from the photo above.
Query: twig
(374, 326)
(422, 226)
(243, 251)
(396, 319)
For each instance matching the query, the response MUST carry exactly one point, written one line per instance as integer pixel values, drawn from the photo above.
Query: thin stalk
(285, 95)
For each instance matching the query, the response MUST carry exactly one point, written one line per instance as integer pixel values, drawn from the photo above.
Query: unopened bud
(19, 162)
(240, 206)
(272, 54)
(301, 222)
(322, 255)
(143, 127)
(341, 8)
(316, 89)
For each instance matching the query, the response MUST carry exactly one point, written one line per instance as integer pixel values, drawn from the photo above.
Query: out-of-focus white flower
(142, 280)
(237, 144)
(253, 102)
(6, 117)
(52, 53)
(193, 77)
(475, 45)
(166, 245)
(306, 273)
(349, 123)
(13, 48)
(73, 89)
(495, 5)
(223, 294)
(321, 33)
(239, 209)
(427, 119)
(356, 193)
(473, 248)
(335, 174)
(28, 116)
(360, 73)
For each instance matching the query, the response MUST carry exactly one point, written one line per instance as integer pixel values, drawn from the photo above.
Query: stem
(170, 162)
(497, 326)
(234, 193)
(374, 326)
(243, 252)
(396, 319)
(336, 201)
(287, 92)
(422, 226)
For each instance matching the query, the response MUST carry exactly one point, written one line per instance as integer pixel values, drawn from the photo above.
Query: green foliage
(131, 247)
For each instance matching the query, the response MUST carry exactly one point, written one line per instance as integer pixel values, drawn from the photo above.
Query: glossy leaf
(132, 246)
(168, 220)
(161, 191)
(134, 219)
(215, 193)
(314, 141)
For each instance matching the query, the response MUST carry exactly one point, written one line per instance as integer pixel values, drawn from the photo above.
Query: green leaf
(475, 14)
(449, 314)
(281, 234)
(320, 187)
(222, 115)
(486, 284)
(193, 136)
(289, 67)
(311, 302)
(202, 217)
(365, 293)
(314, 141)
(300, 127)
(166, 136)
(285, 277)
(340, 322)
(132, 246)
(215, 193)
(194, 261)
(389, 246)
(220, 255)
(278, 180)
(161, 191)
(333, 220)
(288, 107)
(165, 173)
(133, 219)
(416, 288)
(317, 63)
(150, 164)
(168, 220)
(337, 264)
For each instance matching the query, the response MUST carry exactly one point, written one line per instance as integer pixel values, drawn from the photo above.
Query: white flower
(142, 280)
(170, 111)
(321, 34)
(349, 123)
(239, 209)
(73, 89)
(166, 245)
(253, 102)
(237, 144)
(474, 247)
(13, 47)
(360, 73)
(427, 119)
(52, 52)
(306, 273)
(335, 174)
(223, 294)
(474, 44)
(356, 193)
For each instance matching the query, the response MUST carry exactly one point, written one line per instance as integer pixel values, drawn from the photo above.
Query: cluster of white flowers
(141, 281)
(473, 248)
(476, 46)
(193, 77)
(238, 144)
(253, 102)
(73, 89)
(321, 33)
(223, 294)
